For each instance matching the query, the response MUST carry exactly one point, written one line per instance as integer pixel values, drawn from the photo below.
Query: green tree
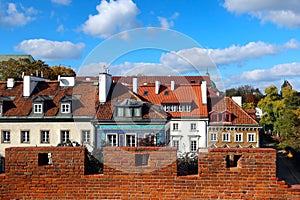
(281, 115)
(16, 68)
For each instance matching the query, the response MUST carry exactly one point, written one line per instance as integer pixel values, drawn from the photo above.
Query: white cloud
(276, 72)
(62, 2)
(112, 17)
(167, 23)
(202, 58)
(235, 53)
(283, 13)
(12, 17)
(263, 78)
(60, 28)
(48, 50)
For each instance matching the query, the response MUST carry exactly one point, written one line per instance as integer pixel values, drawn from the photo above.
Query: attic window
(166, 93)
(193, 81)
(38, 108)
(145, 93)
(65, 108)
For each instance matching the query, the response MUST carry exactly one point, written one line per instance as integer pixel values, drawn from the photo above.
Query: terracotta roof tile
(182, 94)
(240, 117)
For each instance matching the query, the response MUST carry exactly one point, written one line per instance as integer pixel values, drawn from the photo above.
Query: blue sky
(239, 42)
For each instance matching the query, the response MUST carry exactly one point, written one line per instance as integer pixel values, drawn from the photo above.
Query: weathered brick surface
(253, 177)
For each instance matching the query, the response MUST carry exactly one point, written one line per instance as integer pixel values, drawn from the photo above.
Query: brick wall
(141, 173)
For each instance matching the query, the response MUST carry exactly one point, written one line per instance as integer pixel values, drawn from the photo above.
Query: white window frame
(193, 145)
(25, 136)
(65, 108)
(226, 139)
(251, 139)
(5, 136)
(131, 135)
(86, 136)
(45, 136)
(64, 135)
(240, 135)
(213, 137)
(111, 143)
(38, 108)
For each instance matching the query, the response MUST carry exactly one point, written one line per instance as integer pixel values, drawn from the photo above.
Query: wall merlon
(126, 175)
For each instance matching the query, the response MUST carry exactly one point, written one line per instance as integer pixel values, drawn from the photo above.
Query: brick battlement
(141, 173)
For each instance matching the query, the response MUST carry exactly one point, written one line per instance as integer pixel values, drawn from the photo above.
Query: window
(128, 112)
(193, 126)
(120, 111)
(175, 126)
(130, 140)
(176, 144)
(65, 108)
(25, 137)
(145, 93)
(111, 139)
(65, 136)
(193, 145)
(214, 117)
(251, 137)
(5, 136)
(45, 137)
(137, 112)
(213, 137)
(38, 108)
(225, 137)
(85, 136)
(238, 137)
(1, 109)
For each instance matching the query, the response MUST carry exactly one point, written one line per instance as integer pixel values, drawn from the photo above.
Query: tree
(16, 68)
(281, 115)
(62, 71)
(247, 92)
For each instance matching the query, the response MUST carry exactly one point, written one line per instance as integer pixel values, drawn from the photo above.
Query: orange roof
(182, 94)
(240, 115)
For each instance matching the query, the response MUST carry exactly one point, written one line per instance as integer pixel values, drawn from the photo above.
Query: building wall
(252, 176)
(185, 135)
(232, 141)
(54, 129)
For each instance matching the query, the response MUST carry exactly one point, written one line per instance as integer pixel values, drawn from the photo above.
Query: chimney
(204, 92)
(172, 85)
(10, 83)
(135, 85)
(238, 100)
(29, 84)
(105, 81)
(157, 85)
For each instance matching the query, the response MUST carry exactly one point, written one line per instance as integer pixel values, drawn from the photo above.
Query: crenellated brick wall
(141, 173)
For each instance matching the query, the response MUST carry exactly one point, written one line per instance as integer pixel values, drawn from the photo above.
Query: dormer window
(65, 105)
(40, 103)
(128, 108)
(65, 108)
(220, 117)
(38, 108)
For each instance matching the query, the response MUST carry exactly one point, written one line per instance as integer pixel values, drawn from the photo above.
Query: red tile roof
(240, 116)
(22, 106)
(182, 94)
(120, 92)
